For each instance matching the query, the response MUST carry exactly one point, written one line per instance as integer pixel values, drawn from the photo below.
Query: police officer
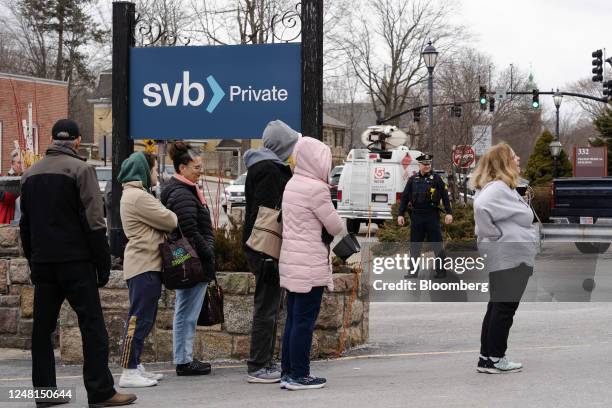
(422, 195)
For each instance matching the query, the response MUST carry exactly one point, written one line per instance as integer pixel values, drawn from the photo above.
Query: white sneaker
(132, 378)
(502, 366)
(148, 374)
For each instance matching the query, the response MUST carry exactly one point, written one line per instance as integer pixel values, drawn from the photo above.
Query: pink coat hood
(307, 208)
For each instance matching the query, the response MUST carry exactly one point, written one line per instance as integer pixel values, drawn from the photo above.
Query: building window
(339, 138)
(328, 137)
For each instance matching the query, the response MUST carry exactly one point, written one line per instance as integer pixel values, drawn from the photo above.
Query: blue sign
(216, 92)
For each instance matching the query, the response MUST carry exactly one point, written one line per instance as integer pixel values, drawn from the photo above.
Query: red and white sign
(464, 156)
(379, 173)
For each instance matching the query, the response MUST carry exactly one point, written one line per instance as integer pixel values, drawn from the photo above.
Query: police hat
(425, 158)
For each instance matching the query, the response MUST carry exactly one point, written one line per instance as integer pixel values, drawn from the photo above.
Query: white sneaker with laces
(132, 378)
(148, 374)
(503, 366)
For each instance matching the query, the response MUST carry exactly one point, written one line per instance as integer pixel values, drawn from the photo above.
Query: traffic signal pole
(382, 121)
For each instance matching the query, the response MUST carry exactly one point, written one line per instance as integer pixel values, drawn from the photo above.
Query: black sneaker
(484, 364)
(194, 368)
(305, 383)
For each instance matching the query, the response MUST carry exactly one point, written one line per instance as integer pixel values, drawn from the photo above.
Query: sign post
(464, 158)
(124, 23)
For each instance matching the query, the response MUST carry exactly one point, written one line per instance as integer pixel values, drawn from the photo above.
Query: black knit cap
(65, 129)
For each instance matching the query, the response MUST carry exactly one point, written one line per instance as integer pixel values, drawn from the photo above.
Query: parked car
(167, 173)
(234, 193)
(334, 179)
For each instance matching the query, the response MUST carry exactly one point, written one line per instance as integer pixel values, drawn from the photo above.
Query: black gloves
(326, 237)
(103, 267)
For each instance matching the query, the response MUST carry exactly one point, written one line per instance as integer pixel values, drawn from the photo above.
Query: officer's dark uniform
(422, 195)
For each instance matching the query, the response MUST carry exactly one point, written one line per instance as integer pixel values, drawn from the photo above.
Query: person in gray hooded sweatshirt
(268, 173)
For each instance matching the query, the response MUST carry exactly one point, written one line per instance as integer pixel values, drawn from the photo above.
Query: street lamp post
(430, 55)
(555, 150)
(557, 98)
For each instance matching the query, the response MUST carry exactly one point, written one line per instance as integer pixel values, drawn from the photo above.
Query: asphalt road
(419, 355)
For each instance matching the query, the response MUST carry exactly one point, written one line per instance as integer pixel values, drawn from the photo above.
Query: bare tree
(383, 42)
(242, 21)
(163, 22)
(457, 82)
(586, 86)
(12, 58)
(53, 37)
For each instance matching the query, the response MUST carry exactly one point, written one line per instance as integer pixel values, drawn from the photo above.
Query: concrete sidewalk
(421, 355)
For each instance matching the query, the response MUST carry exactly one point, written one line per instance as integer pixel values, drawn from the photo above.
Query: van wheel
(353, 226)
(592, 247)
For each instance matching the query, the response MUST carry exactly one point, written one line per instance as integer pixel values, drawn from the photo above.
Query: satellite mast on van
(381, 138)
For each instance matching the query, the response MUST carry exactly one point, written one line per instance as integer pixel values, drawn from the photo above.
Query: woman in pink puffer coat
(304, 264)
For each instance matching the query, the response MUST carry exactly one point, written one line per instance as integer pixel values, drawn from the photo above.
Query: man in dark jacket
(64, 240)
(265, 183)
(423, 193)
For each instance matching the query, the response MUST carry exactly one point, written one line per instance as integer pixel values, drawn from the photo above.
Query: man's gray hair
(71, 144)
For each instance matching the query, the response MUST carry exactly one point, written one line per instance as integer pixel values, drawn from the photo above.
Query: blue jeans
(186, 311)
(302, 312)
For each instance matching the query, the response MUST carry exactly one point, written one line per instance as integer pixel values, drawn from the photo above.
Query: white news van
(371, 182)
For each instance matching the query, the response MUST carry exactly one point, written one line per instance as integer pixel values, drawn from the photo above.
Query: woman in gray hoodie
(507, 238)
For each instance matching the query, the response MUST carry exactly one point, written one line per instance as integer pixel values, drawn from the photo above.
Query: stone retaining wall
(16, 292)
(343, 322)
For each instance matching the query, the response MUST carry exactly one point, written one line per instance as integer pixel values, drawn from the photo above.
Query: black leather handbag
(212, 308)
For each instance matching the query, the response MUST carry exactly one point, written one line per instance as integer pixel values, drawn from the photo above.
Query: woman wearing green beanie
(145, 222)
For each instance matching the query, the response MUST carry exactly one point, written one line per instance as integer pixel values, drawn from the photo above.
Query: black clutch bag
(212, 308)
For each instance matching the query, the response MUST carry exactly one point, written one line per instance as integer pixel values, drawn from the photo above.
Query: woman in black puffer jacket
(182, 196)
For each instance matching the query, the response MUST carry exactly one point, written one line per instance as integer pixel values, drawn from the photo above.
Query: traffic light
(597, 66)
(607, 91)
(482, 99)
(535, 99)
(416, 115)
(491, 104)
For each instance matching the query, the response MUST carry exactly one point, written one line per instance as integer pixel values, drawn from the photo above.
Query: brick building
(49, 101)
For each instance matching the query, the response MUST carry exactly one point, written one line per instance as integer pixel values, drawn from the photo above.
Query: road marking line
(348, 358)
